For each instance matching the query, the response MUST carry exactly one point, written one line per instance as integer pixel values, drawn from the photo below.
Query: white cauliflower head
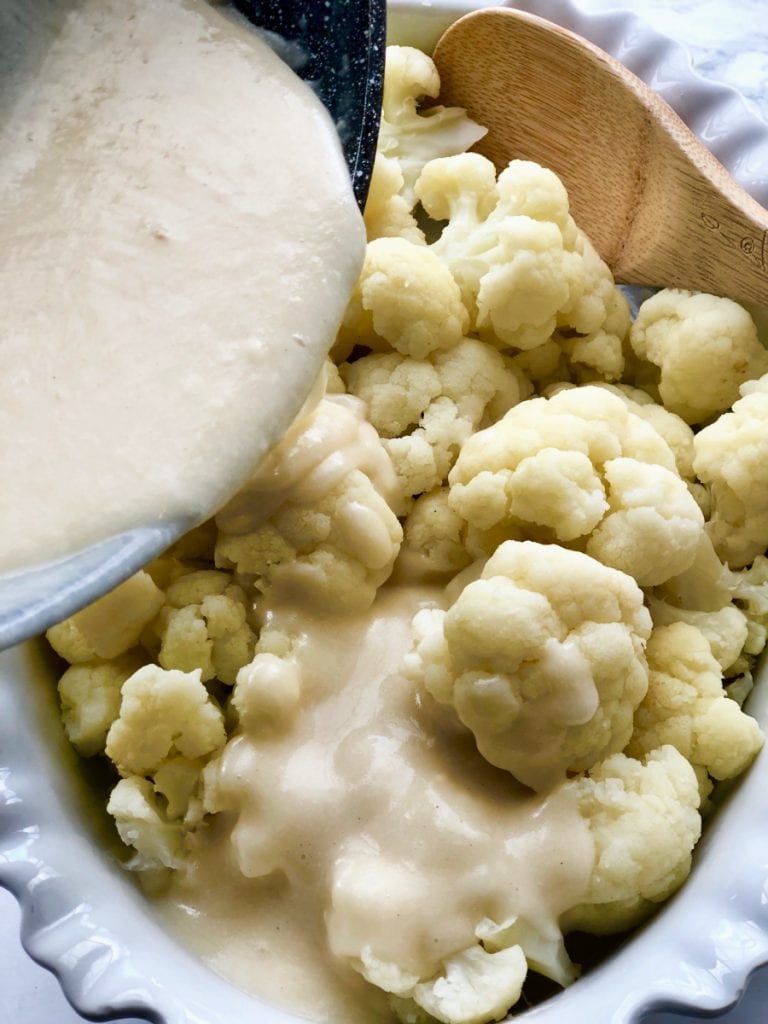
(731, 456)
(581, 467)
(163, 713)
(204, 626)
(523, 266)
(413, 136)
(90, 696)
(542, 658)
(405, 298)
(109, 626)
(425, 409)
(433, 543)
(704, 346)
(142, 823)
(314, 524)
(267, 693)
(644, 820)
(687, 707)
(387, 212)
(474, 987)
(725, 628)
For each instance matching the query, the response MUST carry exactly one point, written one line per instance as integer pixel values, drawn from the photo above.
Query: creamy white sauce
(370, 823)
(178, 239)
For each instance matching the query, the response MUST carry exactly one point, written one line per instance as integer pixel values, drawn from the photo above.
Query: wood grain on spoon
(657, 205)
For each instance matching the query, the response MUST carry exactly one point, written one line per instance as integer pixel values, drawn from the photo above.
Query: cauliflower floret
(163, 713)
(387, 212)
(396, 390)
(650, 513)
(704, 346)
(405, 298)
(314, 524)
(542, 658)
(177, 781)
(473, 987)
(686, 706)
(599, 355)
(542, 943)
(433, 544)
(644, 820)
(703, 596)
(425, 409)
(142, 824)
(267, 692)
(203, 626)
(580, 467)
(465, 986)
(332, 553)
(731, 456)
(409, 135)
(90, 700)
(750, 590)
(725, 629)
(523, 266)
(109, 626)
(672, 428)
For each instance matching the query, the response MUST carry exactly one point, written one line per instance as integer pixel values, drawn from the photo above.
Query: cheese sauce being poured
(178, 240)
(368, 829)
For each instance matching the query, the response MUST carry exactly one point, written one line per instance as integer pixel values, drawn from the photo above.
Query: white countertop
(728, 41)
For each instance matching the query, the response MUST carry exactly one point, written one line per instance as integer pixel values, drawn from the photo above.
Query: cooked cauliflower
(725, 628)
(750, 593)
(314, 524)
(542, 658)
(110, 626)
(474, 986)
(686, 706)
(731, 457)
(704, 346)
(579, 467)
(425, 409)
(142, 824)
(163, 713)
(433, 544)
(674, 429)
(523, 266)
(599, 354)
(413, 136)
(387, 212)
(203, 626)
(406, 299)
(90, 697)
(644, 820)
(267, 692)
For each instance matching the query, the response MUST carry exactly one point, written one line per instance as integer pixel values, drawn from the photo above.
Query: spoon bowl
(656, 204)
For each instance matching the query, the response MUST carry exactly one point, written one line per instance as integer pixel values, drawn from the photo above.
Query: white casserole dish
(85, 920)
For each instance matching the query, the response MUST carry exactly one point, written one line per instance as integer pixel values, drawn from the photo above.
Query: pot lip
(84, 921)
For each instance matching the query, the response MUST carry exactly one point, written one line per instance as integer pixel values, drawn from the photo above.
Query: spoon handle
(657, 205)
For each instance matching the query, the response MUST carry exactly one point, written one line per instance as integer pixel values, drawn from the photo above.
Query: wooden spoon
(657, 205)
